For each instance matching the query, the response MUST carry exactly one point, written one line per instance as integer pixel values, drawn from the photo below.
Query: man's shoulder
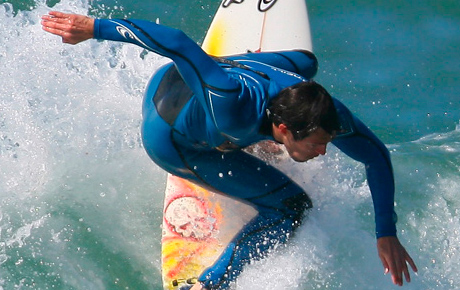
(347, 126)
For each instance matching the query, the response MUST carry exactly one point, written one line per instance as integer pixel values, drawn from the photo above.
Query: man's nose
(321, 150)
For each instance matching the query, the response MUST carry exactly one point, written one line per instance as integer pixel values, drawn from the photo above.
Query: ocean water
(81, 203)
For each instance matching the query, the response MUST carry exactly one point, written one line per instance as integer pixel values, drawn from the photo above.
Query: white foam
(70, 152)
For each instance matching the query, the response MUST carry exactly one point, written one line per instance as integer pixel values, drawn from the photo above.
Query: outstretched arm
(362, 145)
(211, 84)
(72, 28)
(198, 69)
(358, 142)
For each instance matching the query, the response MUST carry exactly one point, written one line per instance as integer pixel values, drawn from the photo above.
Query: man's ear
(280, 132)
(283, 129)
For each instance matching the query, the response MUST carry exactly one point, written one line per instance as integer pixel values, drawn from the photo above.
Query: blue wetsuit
(198, 112)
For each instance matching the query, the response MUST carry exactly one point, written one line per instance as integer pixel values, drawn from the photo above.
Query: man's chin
(300, 160)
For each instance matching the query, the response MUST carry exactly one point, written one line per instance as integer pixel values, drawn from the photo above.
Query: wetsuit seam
(290, 61)
(210, 87)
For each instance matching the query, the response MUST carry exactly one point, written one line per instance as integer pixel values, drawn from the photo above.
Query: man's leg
(278, 199)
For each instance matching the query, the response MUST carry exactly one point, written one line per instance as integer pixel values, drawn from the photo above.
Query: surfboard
(197, 226)
(241, 26)
(198, 223)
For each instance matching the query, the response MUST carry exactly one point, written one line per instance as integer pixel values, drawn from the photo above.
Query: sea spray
(81, 201)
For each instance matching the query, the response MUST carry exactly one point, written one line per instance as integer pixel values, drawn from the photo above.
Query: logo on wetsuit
(264, 5)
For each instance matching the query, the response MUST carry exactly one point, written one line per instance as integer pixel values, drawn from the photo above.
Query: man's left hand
(395, 259)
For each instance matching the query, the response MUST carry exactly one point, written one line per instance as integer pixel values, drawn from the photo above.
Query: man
(199, 112)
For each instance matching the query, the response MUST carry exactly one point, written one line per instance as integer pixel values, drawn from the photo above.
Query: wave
(81, 203)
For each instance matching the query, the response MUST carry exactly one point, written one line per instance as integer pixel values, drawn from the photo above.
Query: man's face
(309, 147)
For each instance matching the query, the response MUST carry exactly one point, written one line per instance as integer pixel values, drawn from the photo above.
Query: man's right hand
(72, 28)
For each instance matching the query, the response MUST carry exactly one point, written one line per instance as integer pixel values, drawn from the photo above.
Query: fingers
(72, 28)
(399, 268)
(406, 274)
(396, 273)
(58, 14)
(408, 260)
(390, 267)
(59, 20)
(385, 266)
(55, 15)
(55, 23)
(53, 31)
(411, 263)
(395, 258)
(405, 268)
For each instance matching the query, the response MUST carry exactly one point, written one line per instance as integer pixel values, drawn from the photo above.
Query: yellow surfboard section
(197, 226)
(217, 46)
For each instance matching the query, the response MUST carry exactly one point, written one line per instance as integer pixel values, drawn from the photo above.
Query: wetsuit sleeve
(194, 64)
(219, 94)
(358, 142)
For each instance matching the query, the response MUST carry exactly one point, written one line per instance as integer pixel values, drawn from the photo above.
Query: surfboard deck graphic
(197, 226)
(240, 26)
(198, 223)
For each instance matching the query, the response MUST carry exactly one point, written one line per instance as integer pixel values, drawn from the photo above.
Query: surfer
(199, 112)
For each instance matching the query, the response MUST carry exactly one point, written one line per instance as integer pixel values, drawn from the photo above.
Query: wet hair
(303, 108)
